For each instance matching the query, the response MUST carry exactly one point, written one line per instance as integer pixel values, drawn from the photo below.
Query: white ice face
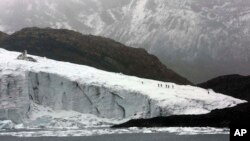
(62, 86)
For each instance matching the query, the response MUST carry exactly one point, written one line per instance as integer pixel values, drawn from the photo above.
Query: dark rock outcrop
(99, 52)
(217, 118)
(2, 36)
(24, 56)
(233, 85)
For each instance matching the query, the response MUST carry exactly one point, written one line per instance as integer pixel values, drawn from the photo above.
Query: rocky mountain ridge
(199, 39)
(234, 85)
(96, 51)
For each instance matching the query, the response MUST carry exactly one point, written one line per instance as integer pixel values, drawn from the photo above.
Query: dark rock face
(234, 85)
(99, 52)
(217, 118)
(2, 35)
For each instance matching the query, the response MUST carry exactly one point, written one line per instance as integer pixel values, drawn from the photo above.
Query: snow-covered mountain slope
(63, 86)
(186, 35)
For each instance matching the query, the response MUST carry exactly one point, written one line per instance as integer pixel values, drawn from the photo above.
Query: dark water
(127, 137)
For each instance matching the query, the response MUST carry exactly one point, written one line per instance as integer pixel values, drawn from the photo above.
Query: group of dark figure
(161, 85)
(167, 86)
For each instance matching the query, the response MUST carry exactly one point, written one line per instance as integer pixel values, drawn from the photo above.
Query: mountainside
(99, 52)
(234, 85)
(199, 39)
(2, 36)
(46, 91)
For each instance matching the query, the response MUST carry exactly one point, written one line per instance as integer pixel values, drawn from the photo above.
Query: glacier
(50, 93)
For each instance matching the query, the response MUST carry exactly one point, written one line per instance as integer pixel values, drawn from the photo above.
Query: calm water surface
(127, 137)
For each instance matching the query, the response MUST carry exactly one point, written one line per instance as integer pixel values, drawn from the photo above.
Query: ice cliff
(64, 86)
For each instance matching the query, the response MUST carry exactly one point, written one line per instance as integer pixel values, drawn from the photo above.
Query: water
(127, 137)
